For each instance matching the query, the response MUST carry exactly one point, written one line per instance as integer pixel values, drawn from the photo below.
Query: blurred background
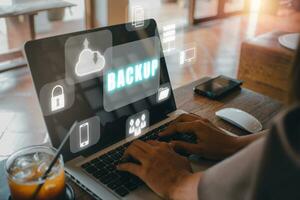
(229, 37)
(217, 26)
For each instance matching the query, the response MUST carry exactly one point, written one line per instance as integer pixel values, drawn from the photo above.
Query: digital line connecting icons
(89, 61)
(136, 123)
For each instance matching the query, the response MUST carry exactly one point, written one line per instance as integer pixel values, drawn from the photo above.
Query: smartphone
(84, 134)
(217, 87)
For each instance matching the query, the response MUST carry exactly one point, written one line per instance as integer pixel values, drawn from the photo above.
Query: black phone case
(215, 96)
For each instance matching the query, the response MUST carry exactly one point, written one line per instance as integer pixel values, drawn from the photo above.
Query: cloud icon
(89, 61)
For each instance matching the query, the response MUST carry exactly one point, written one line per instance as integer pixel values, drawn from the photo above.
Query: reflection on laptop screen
(112, 80)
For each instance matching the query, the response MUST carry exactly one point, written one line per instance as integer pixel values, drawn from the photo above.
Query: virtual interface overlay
(84, 55)
(140, 74)
(86, 134)
(136, 123)
(56, 97)
(132, 73)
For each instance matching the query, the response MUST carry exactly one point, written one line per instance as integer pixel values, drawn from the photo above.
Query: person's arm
(212, 142)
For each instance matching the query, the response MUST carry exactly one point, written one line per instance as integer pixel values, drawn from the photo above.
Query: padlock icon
(57, 98)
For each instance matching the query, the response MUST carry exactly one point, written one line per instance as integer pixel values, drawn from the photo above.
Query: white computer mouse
(240, 119)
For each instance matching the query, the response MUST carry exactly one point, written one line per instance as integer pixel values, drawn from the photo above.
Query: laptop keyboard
(104, 169)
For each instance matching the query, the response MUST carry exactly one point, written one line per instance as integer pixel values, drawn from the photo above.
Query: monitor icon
(84, 133)
(187, 55)
(138, 16)
(163, 94)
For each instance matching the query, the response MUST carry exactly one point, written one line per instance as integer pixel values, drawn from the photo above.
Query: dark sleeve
(267, 169)
(279, 172)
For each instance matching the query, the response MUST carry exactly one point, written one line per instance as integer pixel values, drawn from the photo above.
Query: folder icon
(163, 93)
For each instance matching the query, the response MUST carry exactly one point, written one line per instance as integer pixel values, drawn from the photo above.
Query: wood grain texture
(265, 65)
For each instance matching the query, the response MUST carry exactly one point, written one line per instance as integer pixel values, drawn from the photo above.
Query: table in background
(262, 107)
(19, 18)
(265, 65)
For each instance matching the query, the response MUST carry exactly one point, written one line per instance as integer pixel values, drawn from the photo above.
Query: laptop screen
(113, 81)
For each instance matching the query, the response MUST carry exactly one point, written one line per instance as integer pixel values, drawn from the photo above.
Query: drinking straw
(54, 160)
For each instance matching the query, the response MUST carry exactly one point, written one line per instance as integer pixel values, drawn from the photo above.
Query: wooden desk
(262, 107)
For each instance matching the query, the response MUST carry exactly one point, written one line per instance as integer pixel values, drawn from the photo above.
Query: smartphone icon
(138, 16)
(84, 134)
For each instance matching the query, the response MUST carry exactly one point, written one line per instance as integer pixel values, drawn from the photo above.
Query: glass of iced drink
(25, 168)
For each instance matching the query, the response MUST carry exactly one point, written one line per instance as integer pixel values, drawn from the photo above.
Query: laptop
(114, 81)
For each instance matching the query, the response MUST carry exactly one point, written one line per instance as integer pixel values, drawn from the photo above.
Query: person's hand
(212, 142)
(160, 167)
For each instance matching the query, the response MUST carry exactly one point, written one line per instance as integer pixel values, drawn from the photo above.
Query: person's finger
(142, 145)
(206, 123)
(156, 144)
(182, 127)
(185, 118)
(131, 168)
(196, 116)
(136, 153)
(153, 142)
(206, 120)
(187, 147)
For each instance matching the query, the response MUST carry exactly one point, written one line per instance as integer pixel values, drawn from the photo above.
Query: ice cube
(43, 166)
(36, 157)
(24, 174)
(41, 156)
(24, 162)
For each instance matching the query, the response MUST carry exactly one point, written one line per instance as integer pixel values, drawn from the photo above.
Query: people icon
(131, 127)
(143, 121)
(138, 128)
(136, 123)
